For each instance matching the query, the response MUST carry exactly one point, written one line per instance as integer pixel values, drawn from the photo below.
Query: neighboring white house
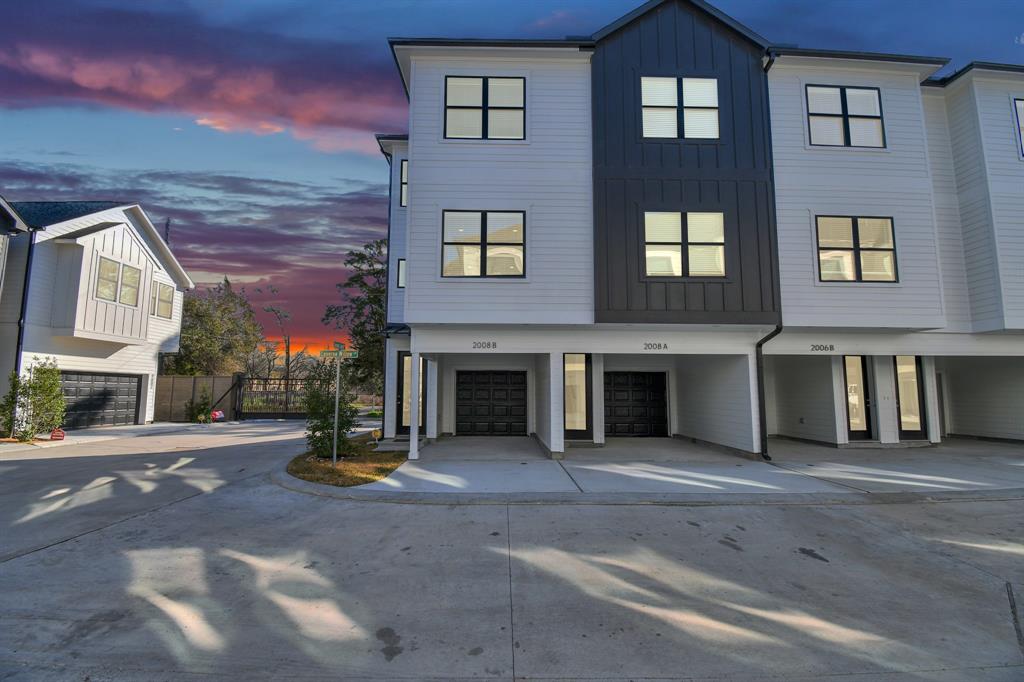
(674, 228)
(103, 299)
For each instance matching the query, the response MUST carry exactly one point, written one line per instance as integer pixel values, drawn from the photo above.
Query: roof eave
(745, 31)
(165, 251)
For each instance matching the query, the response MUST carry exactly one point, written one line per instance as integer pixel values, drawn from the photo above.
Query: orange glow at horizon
(313, 345)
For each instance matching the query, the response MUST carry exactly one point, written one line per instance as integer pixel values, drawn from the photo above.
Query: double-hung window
(403, 183)
(161, 302)
(400, 276)
(660, 97)
(484, 108)
(852, 249)
(116, 282)
(1018, 104)
(684, 244)
(483, 244)
(845, 116)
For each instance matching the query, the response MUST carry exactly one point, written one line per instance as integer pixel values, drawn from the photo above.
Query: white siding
(1005, 168)
(892, 182)
(716, 400)
(947, 212)
(549, 176)
(984, 396)
(975, 207)
(397, 236)
(802, 399)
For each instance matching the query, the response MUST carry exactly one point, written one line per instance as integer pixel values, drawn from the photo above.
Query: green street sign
(349, 354)
(329, 353)
(339, 346)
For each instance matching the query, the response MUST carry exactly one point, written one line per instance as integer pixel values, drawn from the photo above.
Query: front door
(858, 400)
(910, 397)
(576, 390)
(403, 400)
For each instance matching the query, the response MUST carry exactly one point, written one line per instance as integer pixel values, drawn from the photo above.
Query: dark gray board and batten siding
(731, 174)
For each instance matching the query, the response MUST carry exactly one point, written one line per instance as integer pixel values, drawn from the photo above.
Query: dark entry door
(403, 401)
(100, 399)
(858, 400)
(635, 404)
(490, 403)
(910, 397)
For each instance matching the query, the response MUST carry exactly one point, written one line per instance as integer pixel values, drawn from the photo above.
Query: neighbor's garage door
(634, 404)
(100, 399)
(490, 403)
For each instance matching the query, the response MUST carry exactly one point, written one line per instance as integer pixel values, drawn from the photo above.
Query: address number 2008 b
(487, 345)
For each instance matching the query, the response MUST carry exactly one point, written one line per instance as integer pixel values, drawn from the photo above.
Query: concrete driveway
(216, 572)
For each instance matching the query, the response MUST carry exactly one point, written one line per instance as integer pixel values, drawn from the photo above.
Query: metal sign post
(339, 349)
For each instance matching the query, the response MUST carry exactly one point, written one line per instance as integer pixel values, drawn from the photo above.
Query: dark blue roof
(44, 213)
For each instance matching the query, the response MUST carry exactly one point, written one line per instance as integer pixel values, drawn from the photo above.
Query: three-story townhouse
(583, 240)
(588, 242)
(899, 224)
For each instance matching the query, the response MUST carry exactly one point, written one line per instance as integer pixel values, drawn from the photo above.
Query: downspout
(22, 315)
(762, 411)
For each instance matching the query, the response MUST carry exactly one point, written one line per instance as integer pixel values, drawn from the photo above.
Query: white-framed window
(684, 244)
(1018, 105)
(403, 183)
(660, 97)
(162, 300)
(841, 116)
(107, 278)
(484, 108)
(400, 275)
(118, 282)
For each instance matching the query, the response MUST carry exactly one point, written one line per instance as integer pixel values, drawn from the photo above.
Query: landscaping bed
(362, 465)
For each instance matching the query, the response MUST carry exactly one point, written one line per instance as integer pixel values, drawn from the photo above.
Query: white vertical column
(556, 404)
(414, 407)
(883, 398)
(755, 403)
(431, 387)
(931, 399)
(391, 378)
(597, 396)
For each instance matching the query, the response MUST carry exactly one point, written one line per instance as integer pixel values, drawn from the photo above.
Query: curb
(283, 479)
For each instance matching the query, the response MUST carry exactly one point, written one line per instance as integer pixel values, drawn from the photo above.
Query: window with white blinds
(660, 98)
(840, 116)
(684, 244)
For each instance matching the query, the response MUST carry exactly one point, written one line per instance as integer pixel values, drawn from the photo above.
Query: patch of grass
(361, 466)
(374, 414)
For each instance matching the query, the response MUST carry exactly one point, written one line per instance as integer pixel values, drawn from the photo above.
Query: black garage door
(490, 403)
(100, 399)
(634, 404)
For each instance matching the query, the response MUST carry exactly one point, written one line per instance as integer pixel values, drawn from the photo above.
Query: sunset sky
(250, 123)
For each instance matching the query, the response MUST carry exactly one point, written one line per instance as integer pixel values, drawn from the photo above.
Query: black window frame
(484, 108)
(400, 273)
(680, 109)
(845, 115)
(99, 277)
(1018, 107)
(483, 243)
(856, 249)
(684, 245)
(403, 183)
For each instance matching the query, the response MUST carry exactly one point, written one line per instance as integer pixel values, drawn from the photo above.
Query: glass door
(910, 397)
(858, 400)
(403, 398)
(576, 396)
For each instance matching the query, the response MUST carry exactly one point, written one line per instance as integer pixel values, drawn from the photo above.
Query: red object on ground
(217, 416)
(57, 434)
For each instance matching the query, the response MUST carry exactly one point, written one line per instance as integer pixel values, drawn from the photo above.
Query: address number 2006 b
(487, 345)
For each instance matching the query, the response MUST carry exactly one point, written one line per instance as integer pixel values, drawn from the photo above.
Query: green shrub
(198, 411)
(319, 400)
(34, 403)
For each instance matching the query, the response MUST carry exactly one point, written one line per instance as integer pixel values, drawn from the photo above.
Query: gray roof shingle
(45, 213)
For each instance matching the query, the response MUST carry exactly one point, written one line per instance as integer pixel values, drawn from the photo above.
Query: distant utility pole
(167, 231)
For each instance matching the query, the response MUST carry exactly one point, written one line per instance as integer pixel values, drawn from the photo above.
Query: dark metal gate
(272, 399)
